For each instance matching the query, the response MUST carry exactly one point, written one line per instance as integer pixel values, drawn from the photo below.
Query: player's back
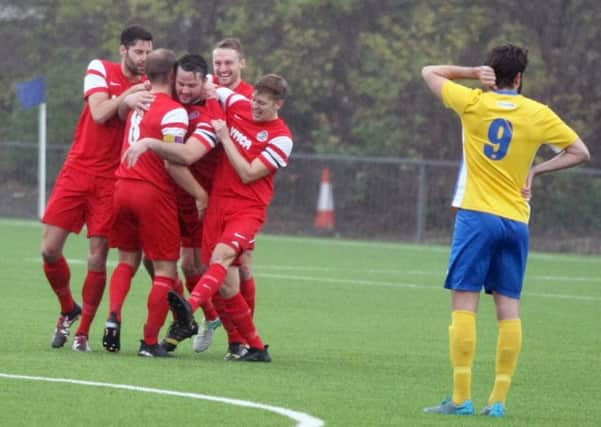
(166, 120)
(502, 131)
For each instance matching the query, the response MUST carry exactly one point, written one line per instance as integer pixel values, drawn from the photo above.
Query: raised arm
(139, 100)
(104, 108)
(436, 76)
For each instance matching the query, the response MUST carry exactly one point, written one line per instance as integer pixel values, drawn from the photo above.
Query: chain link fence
(390, 199)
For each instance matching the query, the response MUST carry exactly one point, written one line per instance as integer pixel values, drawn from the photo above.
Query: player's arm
(184, 154)
(140, 100)
(103, 108)
(573, 155)
(184, 178)
(436, 76)
(248, 172)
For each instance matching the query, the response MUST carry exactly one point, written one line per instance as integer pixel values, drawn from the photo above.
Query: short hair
(159, 64)
(133, 33)
(274, 85)
(193, 63)
(230, 43)
(507, 61)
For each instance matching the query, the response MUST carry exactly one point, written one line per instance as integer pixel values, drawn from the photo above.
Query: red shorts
(145, 219)
(190, 224)
(232, 223)
(79, 198)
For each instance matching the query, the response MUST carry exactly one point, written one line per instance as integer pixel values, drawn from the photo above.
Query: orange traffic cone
(324, 219)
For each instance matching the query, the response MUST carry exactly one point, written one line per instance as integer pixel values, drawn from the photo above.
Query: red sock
(119, 287)
(58, 275)
(237, 309)
(158, 307)
(207, 307)
(209, 311)
(191, 281)
(207, 286)
(93, 289)
(178, 287)
(248, 291)
(233, 336)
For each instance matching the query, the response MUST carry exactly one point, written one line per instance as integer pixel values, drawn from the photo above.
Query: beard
(131, 66)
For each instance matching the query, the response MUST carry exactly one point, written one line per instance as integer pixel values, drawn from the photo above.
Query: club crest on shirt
(193, 115)
(262, 136)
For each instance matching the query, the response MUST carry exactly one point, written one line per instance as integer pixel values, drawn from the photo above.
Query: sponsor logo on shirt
(240, 138)
(114, 84)
(262, 136)
(506, 104)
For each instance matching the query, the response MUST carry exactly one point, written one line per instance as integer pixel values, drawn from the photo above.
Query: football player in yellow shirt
(502, 131)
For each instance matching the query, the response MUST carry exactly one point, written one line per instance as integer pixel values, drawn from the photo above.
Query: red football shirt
(166, 120)
(96, 147)
(200, 116)
(270, 141)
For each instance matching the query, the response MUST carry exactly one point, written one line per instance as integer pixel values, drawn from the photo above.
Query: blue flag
(32, 92)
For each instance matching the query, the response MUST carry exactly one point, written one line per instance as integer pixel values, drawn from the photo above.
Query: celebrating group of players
(168, 163)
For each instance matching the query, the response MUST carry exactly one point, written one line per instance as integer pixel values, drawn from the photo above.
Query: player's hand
(210, 90)
(134, 152)
(527, 189)
(487, 76)
(201, 207)
(220, 129)
(139, 101)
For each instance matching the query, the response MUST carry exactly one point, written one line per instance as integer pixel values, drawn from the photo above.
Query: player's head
(190, 77)
(136, 44)
(268, 97)
(228, 62)
(159, 67)
(509, 63)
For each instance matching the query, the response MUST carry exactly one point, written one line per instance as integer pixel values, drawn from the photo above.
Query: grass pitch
(357, 332)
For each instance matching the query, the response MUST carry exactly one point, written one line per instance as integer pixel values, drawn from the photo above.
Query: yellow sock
(509, 345)
(462, 339)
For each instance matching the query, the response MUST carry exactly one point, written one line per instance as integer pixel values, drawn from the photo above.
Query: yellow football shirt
(502, 131)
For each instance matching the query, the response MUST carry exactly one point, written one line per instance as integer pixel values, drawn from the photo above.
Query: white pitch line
(321, 241)
(301, 419)
(319, 279)
(407, 285)
(261, 270)
(411, 272)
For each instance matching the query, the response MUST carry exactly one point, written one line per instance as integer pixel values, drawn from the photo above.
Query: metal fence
(392, 199)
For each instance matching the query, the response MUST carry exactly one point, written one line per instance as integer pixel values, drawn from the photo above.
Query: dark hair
(230, 43)
(273, 84)
(132, 34)
(507, 61)
(159, 64)
(193, 63)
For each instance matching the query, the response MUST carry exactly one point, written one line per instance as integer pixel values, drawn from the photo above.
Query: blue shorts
(489, 251)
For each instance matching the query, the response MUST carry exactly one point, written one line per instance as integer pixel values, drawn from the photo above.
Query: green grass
(358, 334)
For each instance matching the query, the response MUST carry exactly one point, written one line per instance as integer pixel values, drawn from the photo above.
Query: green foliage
(353, 65)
